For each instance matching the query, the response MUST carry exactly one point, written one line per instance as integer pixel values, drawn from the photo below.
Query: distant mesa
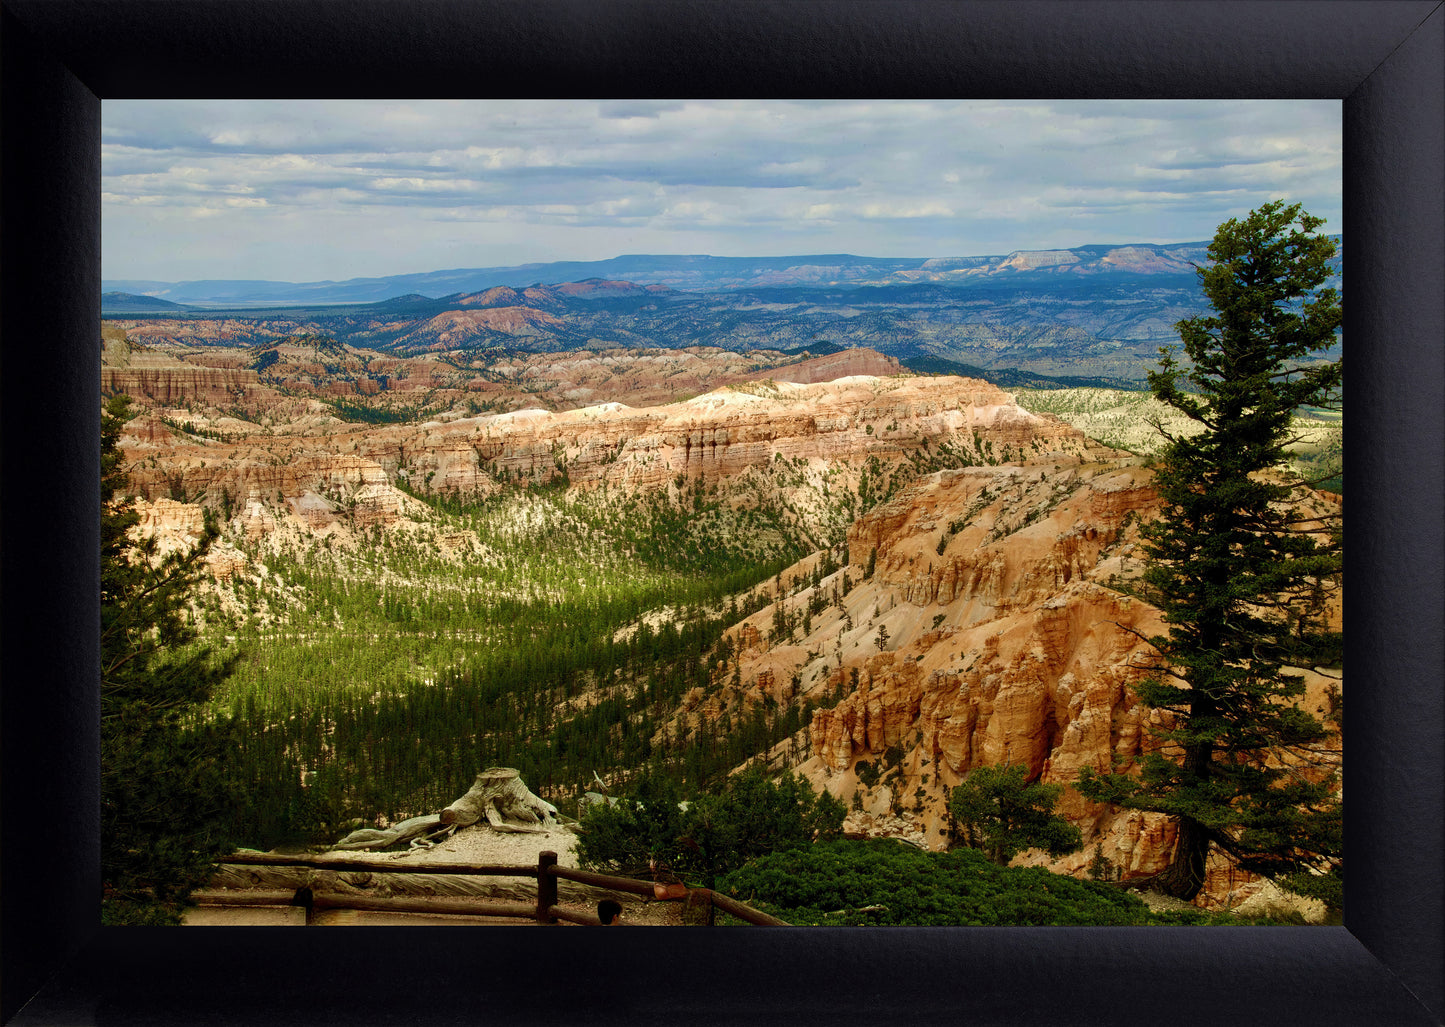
(131, 303)
(1029, 260)
(553, 296)
(636, 274)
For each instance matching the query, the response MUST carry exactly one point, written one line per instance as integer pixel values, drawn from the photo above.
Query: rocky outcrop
(273, 370)
(718, 436)
(723, 433)
(456, 327)
(194, 331)
(176, 383)
(168, 517)
(847, 364)
(1020, 616)
(988, 633)
(255, 519)
(177, 526)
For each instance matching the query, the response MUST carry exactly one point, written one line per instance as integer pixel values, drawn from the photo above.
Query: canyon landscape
(934, 578)
(845, 513)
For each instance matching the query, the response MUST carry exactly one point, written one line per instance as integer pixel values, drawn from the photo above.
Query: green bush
(128, 913)
(885, 882)
(713, 834)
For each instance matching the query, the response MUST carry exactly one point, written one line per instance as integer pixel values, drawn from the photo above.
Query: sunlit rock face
(1005, 643)
(308, 460)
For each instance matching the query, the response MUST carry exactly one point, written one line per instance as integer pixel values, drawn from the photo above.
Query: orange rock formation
(1004, 643)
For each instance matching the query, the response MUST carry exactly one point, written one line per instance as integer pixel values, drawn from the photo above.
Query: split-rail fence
(700, 903)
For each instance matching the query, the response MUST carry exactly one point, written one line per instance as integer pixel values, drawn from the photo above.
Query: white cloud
(918, 178)
(902, 210)
(423, 185)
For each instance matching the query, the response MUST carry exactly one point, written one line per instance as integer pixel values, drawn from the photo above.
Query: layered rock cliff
(161, 379)
(816, 430)
(988, 633)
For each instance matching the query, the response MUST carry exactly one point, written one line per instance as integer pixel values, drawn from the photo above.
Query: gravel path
(481, 844)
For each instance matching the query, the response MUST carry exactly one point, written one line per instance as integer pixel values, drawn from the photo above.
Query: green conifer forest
(545, 629)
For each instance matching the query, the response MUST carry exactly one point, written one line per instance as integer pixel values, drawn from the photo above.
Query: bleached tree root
(405, 831)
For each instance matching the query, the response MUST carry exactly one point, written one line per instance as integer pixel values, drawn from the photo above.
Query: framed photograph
(1377, 63)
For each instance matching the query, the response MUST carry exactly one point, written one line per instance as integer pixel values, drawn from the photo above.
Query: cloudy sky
(308, 190)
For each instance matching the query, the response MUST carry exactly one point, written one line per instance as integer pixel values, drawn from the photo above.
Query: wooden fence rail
(545, 911)
(268, 859)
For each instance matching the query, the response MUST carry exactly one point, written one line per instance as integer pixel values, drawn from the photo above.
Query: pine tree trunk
(1185, 874)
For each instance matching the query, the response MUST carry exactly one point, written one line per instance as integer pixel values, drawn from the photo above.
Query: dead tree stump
(499, 795)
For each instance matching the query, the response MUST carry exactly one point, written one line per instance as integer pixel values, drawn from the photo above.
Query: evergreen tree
(638, 831)
(709, 834)
(999, 813)
(1241, 572)
(162, 791)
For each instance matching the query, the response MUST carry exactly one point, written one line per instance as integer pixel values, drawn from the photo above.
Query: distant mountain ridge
(130, 303)
(1088, 315)
(690, 273)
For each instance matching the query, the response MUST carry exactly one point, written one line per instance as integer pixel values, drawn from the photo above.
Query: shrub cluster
(706, 835)
(886, 882)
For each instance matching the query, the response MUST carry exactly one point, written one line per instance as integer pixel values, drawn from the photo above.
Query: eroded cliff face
(988, 633)
(172, 363)
(725, 432)
(161, 379)
(818, 431)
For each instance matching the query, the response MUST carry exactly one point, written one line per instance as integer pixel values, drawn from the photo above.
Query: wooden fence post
(306, 900)
(546, 887)
(697, 908)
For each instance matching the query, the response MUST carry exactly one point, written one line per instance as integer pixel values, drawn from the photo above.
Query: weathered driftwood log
(413, 830)
(499, 795)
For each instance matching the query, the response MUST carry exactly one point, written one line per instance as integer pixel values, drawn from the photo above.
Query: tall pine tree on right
(1244, 563)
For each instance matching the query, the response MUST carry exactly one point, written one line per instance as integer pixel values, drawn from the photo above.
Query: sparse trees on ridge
(1243, 574)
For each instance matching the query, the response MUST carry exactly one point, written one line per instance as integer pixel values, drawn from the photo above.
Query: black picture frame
(1383, 60)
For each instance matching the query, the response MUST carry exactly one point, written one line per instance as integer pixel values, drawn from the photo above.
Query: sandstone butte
(1004, 640)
